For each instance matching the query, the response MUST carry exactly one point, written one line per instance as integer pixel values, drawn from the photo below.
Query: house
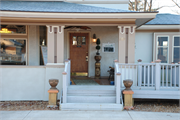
(66, 28)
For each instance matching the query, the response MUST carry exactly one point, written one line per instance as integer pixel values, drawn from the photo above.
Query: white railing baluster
(152, 78)
(171, 77)
(136, 76)
(139, 72)
(167, 75)
(144, 75)
(175, 76)
(148, 74)
(128, 71)
(163, 76)
(121, 76)
(125, 72)
(179, 76)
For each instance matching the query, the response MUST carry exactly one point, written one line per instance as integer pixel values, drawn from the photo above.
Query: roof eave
(78, 15)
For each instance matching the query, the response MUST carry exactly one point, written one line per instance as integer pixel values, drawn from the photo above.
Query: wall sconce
(94, 38)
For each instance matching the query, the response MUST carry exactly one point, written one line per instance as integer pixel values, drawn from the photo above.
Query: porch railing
(66, 79)
(155, 76)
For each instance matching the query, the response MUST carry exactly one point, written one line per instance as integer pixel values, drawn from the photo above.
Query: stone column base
(53, 97)
(128, 100)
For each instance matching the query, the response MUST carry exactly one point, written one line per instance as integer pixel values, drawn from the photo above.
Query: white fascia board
(76, 15)
(88, 1)
(153, 27)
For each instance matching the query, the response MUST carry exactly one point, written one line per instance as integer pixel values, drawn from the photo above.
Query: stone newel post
(53, 91)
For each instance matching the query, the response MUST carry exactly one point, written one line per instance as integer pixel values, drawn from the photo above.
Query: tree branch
(176, 3)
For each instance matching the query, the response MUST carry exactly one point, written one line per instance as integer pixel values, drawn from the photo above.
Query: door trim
(90, 42)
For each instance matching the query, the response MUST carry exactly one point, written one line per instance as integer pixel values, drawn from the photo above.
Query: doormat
(85, 82)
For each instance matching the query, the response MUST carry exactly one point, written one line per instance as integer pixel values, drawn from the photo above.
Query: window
(13, 29)
(13, 52)
(166, 47)
(162, 49)
(176, 49)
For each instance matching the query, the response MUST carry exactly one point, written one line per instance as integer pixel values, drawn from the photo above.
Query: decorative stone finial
(53, 83)
(172, 63)
(128, 83)
(152, 62)
(139, 60)
(158, 61)
(178, 62)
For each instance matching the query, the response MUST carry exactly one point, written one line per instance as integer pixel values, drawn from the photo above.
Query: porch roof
(165, 19)
(58, 6)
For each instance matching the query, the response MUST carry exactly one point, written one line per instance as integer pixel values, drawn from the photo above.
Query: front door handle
(86, 58)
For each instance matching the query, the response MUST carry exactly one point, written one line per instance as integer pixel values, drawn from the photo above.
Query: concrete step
(91, 99)
(91, 90)
(91, 106)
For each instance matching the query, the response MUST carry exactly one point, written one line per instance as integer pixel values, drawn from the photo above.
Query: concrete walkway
(87, 115)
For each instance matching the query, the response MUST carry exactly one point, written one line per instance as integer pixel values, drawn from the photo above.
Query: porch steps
(91, 98)
(91, 106)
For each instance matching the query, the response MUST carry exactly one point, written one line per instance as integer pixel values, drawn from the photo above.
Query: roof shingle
(165, 19)
(33, 6)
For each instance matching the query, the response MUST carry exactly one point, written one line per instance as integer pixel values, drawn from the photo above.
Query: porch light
(5, 30)
(94, 38)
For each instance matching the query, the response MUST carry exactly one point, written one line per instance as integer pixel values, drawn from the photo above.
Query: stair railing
(66, 79)
(117, 82)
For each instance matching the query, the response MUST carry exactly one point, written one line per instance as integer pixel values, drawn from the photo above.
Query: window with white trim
(176, 49)
(166, 47)
(162, 49)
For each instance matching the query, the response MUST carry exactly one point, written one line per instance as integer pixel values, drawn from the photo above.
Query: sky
(170, 6)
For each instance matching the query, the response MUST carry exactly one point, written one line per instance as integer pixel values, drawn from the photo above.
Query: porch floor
(101, 81)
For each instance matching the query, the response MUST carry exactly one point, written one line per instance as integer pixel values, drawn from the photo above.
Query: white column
(60, 44)
(122, 45)
(55, 44)
(131, 44)
(50, 44)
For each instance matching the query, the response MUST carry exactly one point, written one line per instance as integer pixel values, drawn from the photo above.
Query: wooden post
(116, 70)
(64, 87)
(118, 89)
(158, 74)
(139, 73)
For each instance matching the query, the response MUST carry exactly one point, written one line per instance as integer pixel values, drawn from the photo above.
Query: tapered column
(55, 44)
(60, 44)
(122, 45)
(131, 44)
(126, 44)
(50, 44)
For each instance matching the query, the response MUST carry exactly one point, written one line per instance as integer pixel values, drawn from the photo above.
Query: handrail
(66, 79)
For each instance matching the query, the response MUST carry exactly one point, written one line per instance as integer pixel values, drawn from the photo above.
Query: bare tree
(145, 3)
(178, 5)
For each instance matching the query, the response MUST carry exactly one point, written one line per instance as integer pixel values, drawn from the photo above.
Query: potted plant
(98, 47)
(98, 57)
